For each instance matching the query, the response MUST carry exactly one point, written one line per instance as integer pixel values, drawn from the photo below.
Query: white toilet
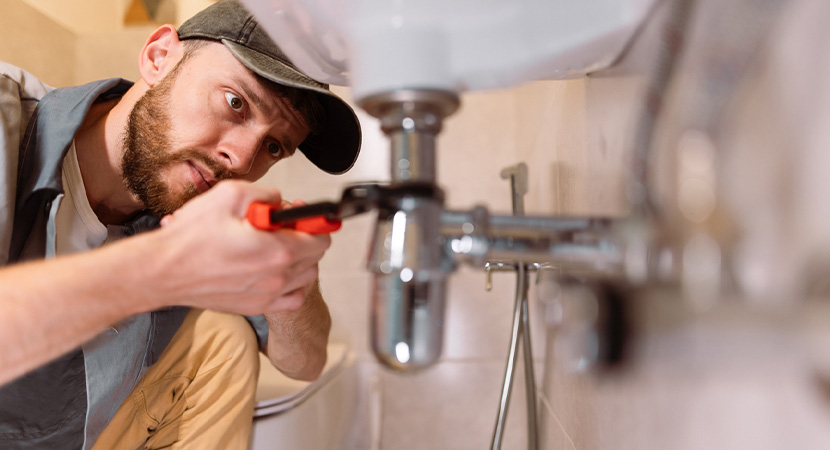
(298, 415)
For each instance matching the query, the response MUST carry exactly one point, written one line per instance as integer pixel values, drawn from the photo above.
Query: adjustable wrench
(326, 217)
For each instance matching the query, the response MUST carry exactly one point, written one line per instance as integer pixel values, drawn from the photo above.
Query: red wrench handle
(266, 216)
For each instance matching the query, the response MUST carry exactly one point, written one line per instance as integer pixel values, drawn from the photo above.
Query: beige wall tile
(452, 406)
(45, 38)
(84, 16)
(36, 43)
(551, 139)
(576, 135)
(110, 54)
(479, 323)
(348, 299)
(476, 143)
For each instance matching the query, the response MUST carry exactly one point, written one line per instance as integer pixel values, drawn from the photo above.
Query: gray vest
(46, 409)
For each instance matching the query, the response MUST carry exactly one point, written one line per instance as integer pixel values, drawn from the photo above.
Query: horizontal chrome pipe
(459, 222)
(601, 258)
(575, 244)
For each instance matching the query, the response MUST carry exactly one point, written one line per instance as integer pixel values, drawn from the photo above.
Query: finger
(301, 278)
(291, 301)
(295, 298)
(166, 220)
(288, 256)
(303, 246)
(287, 204)
(245, 193)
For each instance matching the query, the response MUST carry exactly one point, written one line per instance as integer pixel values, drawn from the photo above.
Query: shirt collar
(52, 128)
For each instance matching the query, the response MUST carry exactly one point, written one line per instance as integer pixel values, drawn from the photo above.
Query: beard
(148, 151)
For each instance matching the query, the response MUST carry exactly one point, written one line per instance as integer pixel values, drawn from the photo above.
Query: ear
(160, 54)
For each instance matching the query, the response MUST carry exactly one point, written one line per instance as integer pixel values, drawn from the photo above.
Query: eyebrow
(260, 104)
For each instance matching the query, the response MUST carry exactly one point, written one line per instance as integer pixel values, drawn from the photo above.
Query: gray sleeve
(260, 326)
(19, 95)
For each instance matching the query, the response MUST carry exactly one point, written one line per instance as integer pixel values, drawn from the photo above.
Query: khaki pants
(198, 395)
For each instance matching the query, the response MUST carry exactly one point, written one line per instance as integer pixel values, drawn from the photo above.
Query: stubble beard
(148, 151)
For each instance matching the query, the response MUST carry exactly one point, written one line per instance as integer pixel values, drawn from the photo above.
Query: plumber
(134, 295)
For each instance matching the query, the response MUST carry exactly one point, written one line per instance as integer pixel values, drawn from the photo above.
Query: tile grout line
(550, 410)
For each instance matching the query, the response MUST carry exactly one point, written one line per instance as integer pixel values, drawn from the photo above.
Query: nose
(239, 149)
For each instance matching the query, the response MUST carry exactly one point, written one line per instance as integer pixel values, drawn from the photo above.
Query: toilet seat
(290, 414)
(277, 393)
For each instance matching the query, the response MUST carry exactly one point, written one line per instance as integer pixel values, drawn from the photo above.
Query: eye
(235, 102)
(274, 148)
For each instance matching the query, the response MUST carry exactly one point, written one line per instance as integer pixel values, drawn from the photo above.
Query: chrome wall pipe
(475, 237)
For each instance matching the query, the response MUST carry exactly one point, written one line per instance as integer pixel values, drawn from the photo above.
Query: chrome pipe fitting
(407, 256)
(410, 273)
(411, 119)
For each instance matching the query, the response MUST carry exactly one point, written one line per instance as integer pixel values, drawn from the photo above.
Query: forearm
(209, 257)
(48, 308)
(297, 339)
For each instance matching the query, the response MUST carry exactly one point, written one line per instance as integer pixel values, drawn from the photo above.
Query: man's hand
(206, 255)
(228, 265)
(214, 259)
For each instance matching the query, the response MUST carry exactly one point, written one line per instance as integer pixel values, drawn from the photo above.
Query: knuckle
(283, 257)
(278, 282)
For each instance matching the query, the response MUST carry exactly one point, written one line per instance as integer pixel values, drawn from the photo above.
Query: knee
(232, 343)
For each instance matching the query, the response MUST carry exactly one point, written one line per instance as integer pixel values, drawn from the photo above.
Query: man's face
(209, 119)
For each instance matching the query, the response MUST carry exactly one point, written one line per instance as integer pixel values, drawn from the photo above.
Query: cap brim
(335, 147)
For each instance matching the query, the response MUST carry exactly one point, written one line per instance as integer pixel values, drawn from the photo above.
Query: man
(139, 343)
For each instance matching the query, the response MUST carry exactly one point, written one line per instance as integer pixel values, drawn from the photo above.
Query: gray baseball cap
(333, 148)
